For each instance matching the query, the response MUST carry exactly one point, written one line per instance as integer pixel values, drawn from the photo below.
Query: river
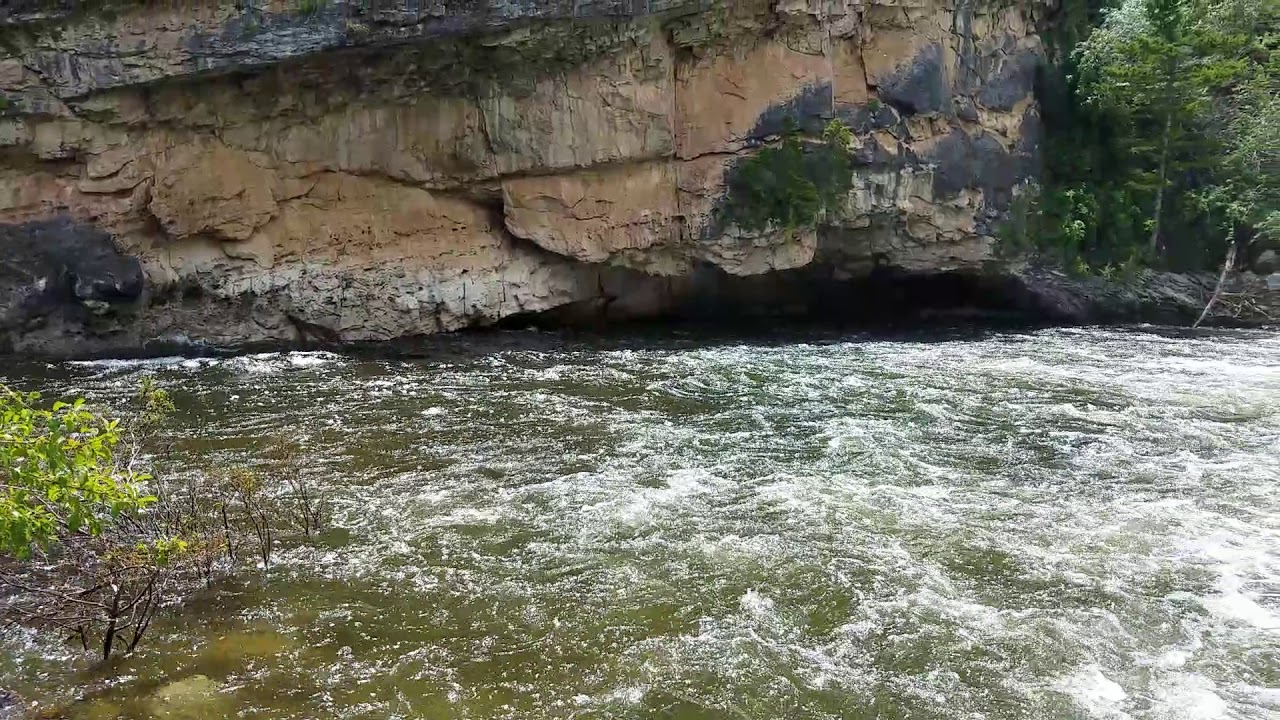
(1070, 523)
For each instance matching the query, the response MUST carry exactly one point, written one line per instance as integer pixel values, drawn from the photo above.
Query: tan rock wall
(720, 99)
(595, 215)
(379, 195)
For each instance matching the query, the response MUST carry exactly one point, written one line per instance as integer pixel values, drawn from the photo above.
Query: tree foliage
(1162, 140)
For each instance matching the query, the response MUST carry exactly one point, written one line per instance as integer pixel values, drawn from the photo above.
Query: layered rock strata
(257, 172)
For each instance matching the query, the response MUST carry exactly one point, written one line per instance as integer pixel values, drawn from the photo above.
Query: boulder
(1268, 262)
(192, 698)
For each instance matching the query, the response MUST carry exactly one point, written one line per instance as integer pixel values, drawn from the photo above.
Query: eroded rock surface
(260, 175)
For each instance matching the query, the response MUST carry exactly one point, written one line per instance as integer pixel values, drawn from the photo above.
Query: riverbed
(1064, 523)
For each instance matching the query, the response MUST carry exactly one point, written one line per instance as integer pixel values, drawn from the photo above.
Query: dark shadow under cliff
(883, 299)
(886, 298)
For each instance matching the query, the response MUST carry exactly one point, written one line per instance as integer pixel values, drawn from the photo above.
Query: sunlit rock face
(257, 174)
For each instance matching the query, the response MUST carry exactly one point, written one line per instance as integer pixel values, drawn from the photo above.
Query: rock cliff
(353, 170)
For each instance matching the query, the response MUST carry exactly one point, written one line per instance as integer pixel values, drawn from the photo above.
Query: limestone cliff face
(237, 173)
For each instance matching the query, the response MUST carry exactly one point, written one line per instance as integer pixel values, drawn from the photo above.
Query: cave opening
(882, 299)
(885, 297)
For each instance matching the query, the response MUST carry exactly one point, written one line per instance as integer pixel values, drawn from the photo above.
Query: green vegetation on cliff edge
(793, 183)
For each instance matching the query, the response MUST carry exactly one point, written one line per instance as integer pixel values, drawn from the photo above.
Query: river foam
(1061, 524)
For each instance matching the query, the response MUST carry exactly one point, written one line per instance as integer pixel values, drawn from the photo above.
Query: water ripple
(1071, 523)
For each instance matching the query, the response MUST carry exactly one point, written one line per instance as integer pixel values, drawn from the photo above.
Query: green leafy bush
(310, 7)
(93, 550)
(58, 473)
(791, 184)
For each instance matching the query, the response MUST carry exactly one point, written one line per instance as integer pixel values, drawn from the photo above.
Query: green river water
(1051, 524)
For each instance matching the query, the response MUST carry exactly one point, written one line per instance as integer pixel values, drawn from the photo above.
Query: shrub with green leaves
(310, 7)
(58, 474)
(792, 184)
(93, 550)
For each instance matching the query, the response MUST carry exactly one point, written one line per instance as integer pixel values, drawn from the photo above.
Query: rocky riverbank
(1248, 300)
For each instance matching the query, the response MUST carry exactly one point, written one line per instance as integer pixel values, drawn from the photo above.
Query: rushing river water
(1056, 524)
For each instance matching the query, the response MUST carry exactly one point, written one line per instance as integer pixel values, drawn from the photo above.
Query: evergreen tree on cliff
(1171, 110)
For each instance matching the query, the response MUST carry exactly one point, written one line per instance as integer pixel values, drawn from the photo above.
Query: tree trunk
(226, 531)
(1227, 264)
(1164, 178)
(109, 636)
